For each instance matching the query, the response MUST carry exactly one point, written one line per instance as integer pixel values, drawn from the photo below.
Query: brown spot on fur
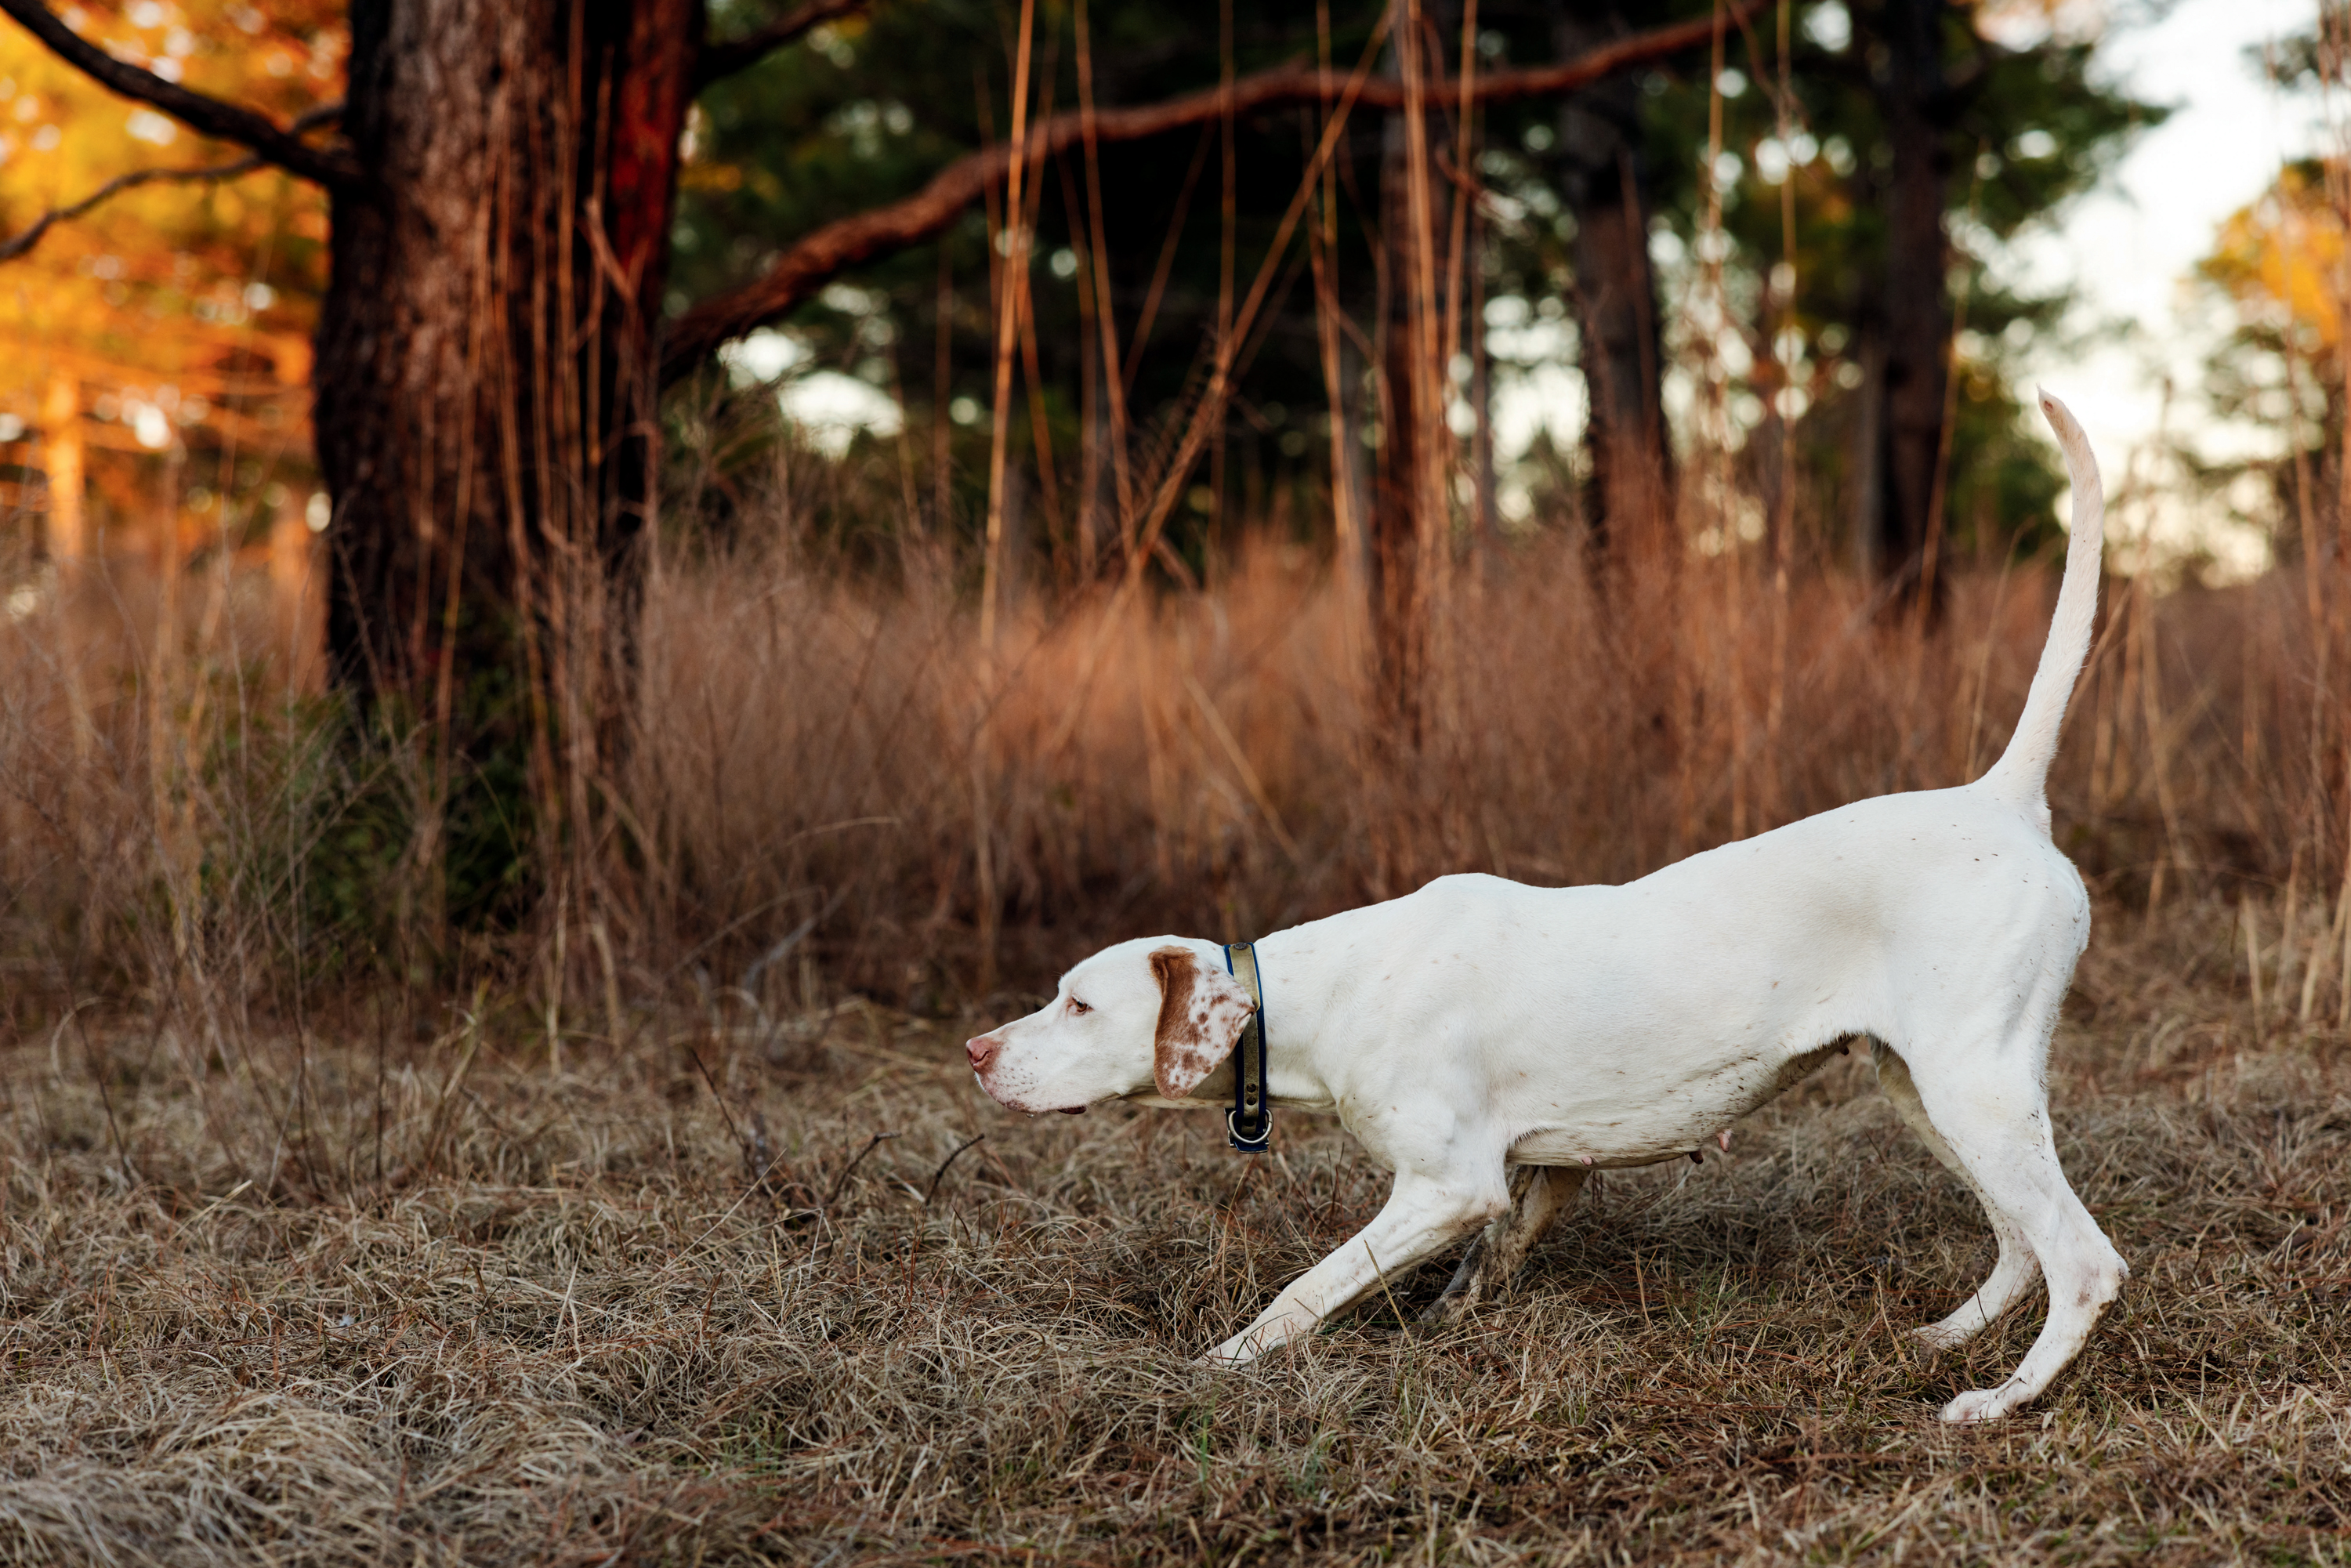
(1191, 1040)
(1178, 1048)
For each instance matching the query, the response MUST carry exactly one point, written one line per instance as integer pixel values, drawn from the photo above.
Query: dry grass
(562, 1325)
(1215, 764)
(581, 1247)
(830, 787)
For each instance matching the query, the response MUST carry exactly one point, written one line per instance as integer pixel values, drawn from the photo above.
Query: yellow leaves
(175, 312)
(712, 177)
(146, 125)
(2282, 260)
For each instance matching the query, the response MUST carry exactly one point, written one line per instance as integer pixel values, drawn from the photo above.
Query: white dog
(1479, 1025)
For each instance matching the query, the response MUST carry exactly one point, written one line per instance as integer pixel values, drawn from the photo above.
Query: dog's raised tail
(2022, 774)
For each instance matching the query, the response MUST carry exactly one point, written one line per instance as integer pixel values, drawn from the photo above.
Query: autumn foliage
(171, 335)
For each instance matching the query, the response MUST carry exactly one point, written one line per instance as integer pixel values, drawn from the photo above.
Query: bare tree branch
(805, 268)
(724, 58)
(205, 115)
(10, 249)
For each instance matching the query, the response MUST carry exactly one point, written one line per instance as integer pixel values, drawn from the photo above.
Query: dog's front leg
(1424, 1216)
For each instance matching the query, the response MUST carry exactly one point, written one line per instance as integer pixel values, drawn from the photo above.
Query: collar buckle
(1248, 1125)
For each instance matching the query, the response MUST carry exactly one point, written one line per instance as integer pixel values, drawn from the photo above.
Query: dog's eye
(1079, 1008)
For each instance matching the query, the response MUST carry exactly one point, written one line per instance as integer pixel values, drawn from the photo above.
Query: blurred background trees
(1803, 256)
(812, 134)
(165, 342)
(575, 288)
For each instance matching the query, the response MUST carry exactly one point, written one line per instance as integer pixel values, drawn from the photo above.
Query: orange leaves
(2281, 259)
(131, 274)
(190, 301)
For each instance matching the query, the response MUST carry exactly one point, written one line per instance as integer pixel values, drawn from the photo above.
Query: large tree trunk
(1630, 506)
(487, 362)
(1914, 98)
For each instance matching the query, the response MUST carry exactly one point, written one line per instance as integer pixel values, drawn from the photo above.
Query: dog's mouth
(981, 1079)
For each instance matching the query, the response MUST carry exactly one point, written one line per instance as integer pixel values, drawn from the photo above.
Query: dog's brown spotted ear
(1201, 1013)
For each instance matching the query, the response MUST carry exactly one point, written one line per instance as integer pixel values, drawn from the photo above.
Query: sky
(2128, 248)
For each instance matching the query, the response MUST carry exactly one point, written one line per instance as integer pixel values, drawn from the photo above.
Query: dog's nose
(982, 1051)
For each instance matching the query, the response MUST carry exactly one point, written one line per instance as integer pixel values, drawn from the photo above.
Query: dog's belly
(1645, 1117)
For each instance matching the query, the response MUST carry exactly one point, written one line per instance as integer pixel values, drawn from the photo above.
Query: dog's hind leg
(1539, 1195)
(2012, 1277)
(1988, 1103)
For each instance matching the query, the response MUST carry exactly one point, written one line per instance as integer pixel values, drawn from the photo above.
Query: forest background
(1106, 538)
(586, 589)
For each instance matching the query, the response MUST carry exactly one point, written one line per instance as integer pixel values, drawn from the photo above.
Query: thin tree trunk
(1407, 524)
(1631, 504)
(1867, 491)
(1482, 394)
(1914, 100)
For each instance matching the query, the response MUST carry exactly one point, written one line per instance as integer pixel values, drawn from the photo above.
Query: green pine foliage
(869, 109)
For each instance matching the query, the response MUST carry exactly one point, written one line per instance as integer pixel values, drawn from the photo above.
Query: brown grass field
(525, 1121)
(640, 1234)
(498, 1308)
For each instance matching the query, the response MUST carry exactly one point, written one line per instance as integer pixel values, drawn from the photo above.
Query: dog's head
(1156, 1014)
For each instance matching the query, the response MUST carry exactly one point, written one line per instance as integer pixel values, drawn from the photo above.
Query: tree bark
(486, 370)
(1914, 100)
(1631, 504)
(1408, 523)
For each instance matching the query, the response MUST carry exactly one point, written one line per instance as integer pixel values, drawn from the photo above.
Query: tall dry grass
(815, 747)
(164, 788)
(830, 789)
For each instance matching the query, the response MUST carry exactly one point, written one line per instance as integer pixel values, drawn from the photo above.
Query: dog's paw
(1448, 1310)
(1939, 1337)
(1979, 1404)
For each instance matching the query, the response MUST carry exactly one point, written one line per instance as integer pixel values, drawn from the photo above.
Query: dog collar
(1250, 1123)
